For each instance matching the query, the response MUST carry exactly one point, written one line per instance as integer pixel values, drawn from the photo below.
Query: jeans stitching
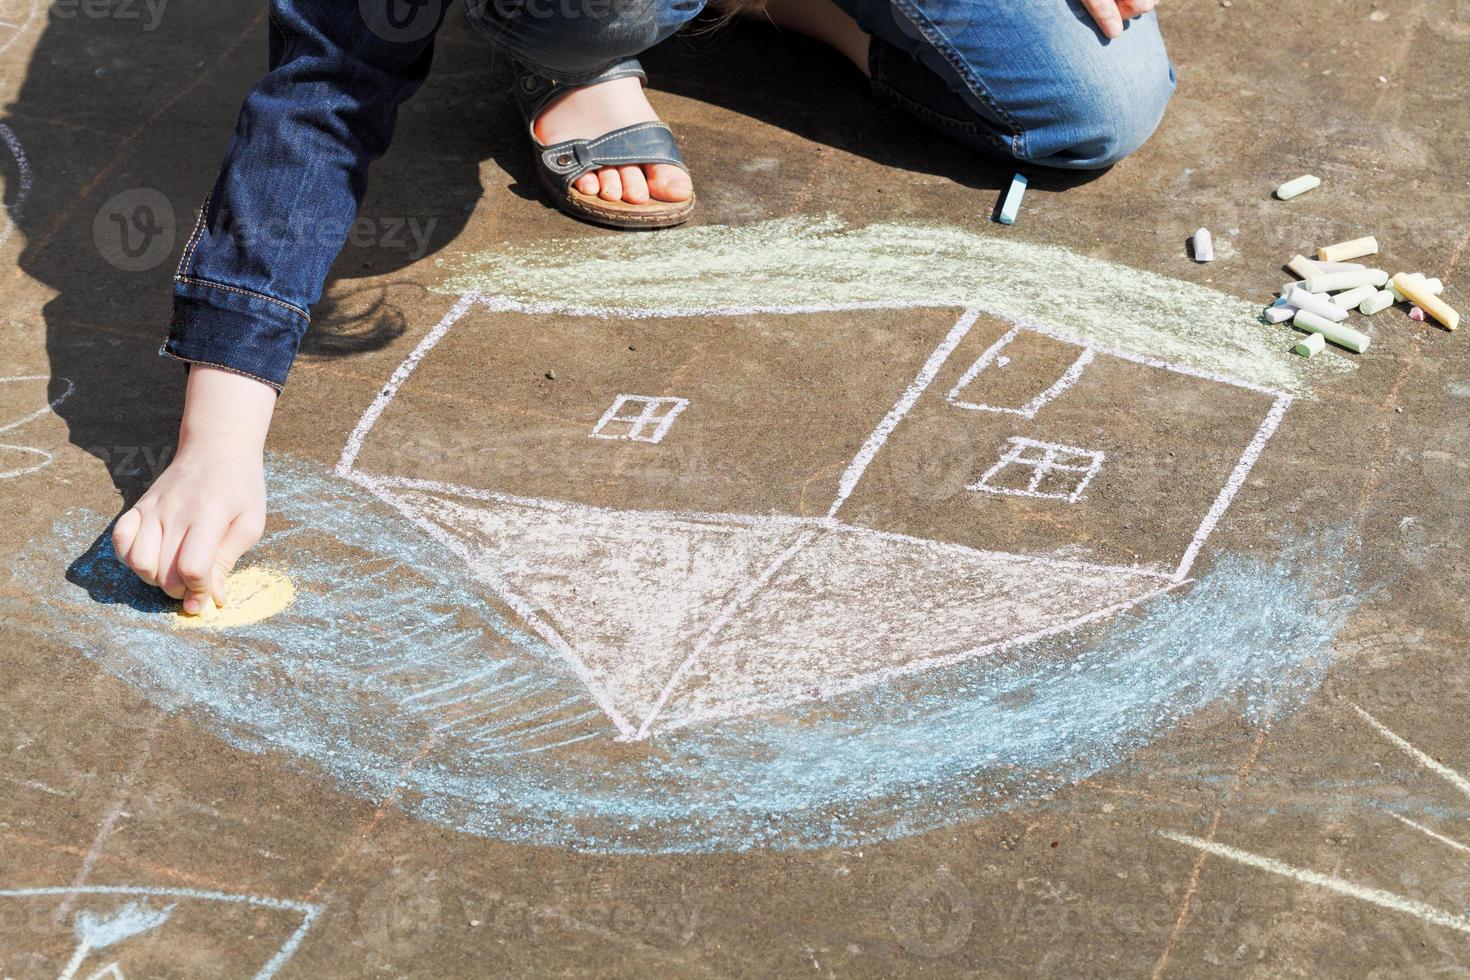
(196, 237)
(165, 352)
(946, 50)
(192, 281)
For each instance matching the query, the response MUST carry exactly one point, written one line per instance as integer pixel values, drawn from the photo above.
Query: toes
(669, 183)
(612, 184)
(587, 184)
(635, 187)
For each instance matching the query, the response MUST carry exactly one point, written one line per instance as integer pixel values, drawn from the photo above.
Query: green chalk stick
(1310, 345)
(1337, 333)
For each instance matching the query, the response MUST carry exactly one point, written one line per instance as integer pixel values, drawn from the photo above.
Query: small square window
(1041, 469)
(639, 418)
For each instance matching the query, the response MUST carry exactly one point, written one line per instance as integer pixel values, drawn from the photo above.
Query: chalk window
(1041, 469)
(638, 418)
(1008, 377)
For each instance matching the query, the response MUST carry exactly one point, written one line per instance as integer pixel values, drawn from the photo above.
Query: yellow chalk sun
(255, 594)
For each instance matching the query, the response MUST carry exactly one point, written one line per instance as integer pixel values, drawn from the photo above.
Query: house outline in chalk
(748, 644)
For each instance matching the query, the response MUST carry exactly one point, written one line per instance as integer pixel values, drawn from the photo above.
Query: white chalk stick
(1298, 187)
(1337, 266)
(1336, 282)
(1353, 297)
(1342, 251)
(1280, 314)
(1303, 267)
(1204, 246)
(1376, 303)
(1313, 303)
(1012, 206)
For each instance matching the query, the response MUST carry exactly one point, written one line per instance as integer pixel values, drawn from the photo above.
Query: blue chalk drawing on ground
(393, 676)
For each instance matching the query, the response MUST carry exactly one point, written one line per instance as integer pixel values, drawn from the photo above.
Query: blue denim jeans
(1031, 80)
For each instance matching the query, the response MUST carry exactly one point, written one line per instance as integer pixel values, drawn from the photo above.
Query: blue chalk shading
(132, 919)
(1012, 205)
(393, 674)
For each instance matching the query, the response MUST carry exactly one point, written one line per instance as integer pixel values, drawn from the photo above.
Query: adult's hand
(1110, 14)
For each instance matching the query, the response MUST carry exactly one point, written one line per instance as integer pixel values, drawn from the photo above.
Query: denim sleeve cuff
(234, 329)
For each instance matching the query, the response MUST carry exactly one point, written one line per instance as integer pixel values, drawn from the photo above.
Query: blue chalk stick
(1012, 205)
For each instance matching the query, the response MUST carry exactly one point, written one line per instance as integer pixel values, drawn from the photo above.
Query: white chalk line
(831, 689)
(46, 457)
(1233, 485)
(1423, 758)
(1041, 468)
(523, 608)
(499, 304)
(370, 417)
(741, 600)
(309, 912)
(901, 408)
(1429, 832)
(733, 523)
(1028, 411)
(1332, 883)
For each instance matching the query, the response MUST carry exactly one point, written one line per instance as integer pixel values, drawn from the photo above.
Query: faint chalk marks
(11, 456)
(1341, 886)
(1332, 883)
(96, 930)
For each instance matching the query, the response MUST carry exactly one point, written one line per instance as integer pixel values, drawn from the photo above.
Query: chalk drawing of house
(710, 516)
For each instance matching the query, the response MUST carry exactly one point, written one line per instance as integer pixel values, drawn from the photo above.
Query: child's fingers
(142, 556)
(169, 579)
(239, 538)
(124, 531)
(196, 562)
(1105, 12)
(1136, 8)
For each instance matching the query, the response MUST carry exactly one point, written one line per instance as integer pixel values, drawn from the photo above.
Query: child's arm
(208, 507)
(286, 195)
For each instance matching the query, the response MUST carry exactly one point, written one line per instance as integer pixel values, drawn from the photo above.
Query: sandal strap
(534, 92)
(646, 142)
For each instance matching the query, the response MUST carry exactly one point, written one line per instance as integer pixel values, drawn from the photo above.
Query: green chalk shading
(811, 261)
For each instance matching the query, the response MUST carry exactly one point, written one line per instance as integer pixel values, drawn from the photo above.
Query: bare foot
(587, 113)
(824, 21)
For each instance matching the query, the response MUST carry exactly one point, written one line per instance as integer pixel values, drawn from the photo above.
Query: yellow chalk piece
(1303, 267)
(1417, 291)
(255, 594)
(1342, 251)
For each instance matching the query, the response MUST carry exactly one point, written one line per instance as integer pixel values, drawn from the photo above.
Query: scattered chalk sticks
(1342, 336)
(1417, 292)
(1011, 207)
(1204, 246)
(1298, 187)
(1310, 345)
(1342, 251)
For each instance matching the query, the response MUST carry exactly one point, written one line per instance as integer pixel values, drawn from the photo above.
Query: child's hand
(1110, 14)
(208, 507)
